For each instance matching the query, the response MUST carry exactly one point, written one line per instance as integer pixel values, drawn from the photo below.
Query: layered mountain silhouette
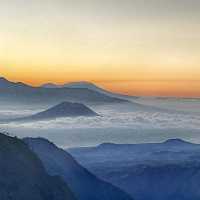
(85, 85)
(81, 84)
(19, 93)
(84, 185)
(64, 109)
(168, 170)
(23, 177)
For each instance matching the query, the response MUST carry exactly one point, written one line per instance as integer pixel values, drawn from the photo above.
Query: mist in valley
(136, 122)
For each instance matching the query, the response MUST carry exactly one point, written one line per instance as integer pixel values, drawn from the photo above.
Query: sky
(137, 47)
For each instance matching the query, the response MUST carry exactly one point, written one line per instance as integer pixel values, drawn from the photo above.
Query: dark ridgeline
(22, 94)
(84, 185)
(23, 177)
(154, 171)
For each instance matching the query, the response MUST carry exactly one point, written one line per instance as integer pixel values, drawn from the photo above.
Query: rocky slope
(85, 185)
(23, 177)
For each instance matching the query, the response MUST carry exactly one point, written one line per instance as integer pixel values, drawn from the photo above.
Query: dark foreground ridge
(23, 177)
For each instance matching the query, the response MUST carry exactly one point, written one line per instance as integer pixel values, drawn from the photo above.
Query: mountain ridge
(166, 142)
(166, 170)
(87, 85)
(58, 162)
(22, 175)
(19, 93)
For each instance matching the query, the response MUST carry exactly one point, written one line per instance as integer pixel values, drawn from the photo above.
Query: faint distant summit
(177, 141)
(80, 84)
(50, 85)
(3, 79)
(80, 92)
(6, 83)
(85, 85)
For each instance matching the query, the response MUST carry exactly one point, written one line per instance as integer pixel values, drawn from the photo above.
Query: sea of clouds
(116, 123)
(113, 118)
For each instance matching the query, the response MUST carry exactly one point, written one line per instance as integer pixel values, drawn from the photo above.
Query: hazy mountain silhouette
(168, 170)
(19, 93)
(64, 109)
(81, 84)
(23, 177)
(84, 185)
(85, 85)
(51, 85)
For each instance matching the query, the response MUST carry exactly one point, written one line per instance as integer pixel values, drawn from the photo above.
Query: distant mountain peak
(6, 82)
(3, 79)
(81, 82)
(76, 84)
(67, 108)
(50, 85)
(83, 85)
(176, 141)
(20, 93)
(64, 109)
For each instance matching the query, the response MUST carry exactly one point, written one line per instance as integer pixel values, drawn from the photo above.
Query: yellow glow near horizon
(126, 46)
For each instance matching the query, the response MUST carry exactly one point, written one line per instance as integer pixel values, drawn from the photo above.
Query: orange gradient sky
(149, 47)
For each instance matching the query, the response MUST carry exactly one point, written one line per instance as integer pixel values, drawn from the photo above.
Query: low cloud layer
(119, 124)
(113, 118)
